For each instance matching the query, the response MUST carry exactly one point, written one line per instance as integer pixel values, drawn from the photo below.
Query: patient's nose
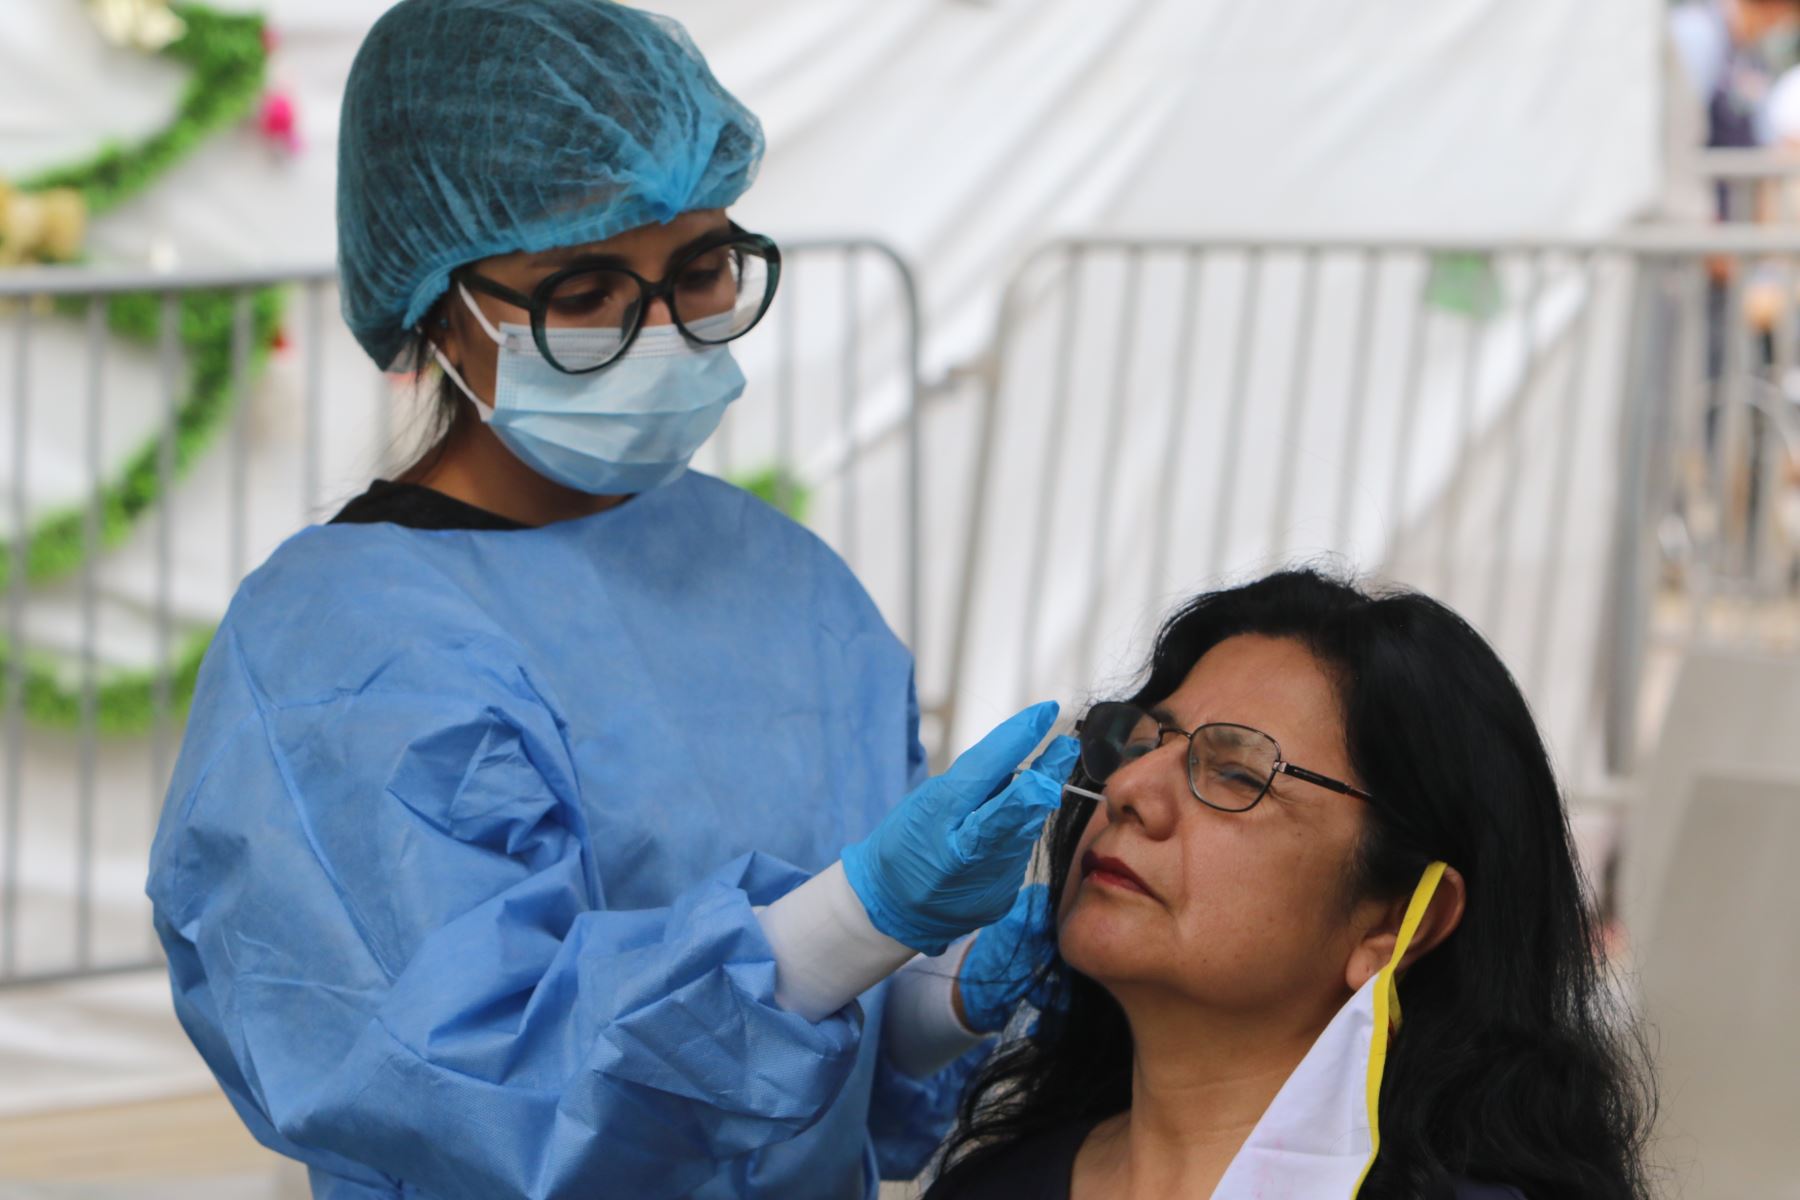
(1148, 791)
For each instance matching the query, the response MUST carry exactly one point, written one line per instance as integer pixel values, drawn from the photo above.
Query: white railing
(1520, 427)
(1501, 423)
(154, 447)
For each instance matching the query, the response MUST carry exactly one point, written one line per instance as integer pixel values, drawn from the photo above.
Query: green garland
(779, 488)
(227, 58)
(1464, 285)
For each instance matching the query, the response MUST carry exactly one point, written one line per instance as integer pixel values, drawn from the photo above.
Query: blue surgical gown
(456, 873)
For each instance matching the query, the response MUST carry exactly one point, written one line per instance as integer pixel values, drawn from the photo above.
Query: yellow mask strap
(1409, 925)
(1387, 1005)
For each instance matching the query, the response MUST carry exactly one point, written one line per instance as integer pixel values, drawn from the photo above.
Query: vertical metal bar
(1244, 356)
(1732, 385)
(784, 391)
(315, 378)
(1060, 387)
(387, 435)
(1628, 591)
(1787, 326)
(1690, 395)
(852, 382)
(1281, 516)
(1742, 455)
(1359, 400)
(1187, 345)
(242, 325)
(1556, 532)
(1707, 556)
(1771, 423)
(915, 562)
(90, 667)
(15, 647)
(168, 360)
(986, 441)
(1504, 500)
(1108, 478)
(1419, 334)
(1459, 461)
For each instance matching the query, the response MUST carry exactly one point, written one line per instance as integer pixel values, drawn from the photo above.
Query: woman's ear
(1375, 948)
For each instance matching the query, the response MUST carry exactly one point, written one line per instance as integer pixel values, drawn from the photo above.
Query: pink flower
(278, 121)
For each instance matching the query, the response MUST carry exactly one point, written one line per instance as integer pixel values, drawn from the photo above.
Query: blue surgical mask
(628, 427)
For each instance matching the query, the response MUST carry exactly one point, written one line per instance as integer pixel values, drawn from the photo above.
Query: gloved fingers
(1025, 925)
(1058, 759)
(1027, 910)
(1033, 907)
(983, 768)
(1009, 821)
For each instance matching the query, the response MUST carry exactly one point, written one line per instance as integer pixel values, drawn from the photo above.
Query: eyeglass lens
(715, 296)
(1229, 766)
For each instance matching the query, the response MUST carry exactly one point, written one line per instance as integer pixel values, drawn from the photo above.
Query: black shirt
(418, 507)
(1041, 1167)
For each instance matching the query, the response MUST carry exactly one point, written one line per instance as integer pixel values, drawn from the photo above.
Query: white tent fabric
(962, 133)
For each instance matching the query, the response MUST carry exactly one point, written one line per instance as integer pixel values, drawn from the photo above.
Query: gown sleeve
(387, 933)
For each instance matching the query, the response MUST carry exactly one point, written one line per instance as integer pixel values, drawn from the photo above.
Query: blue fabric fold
(456, 877)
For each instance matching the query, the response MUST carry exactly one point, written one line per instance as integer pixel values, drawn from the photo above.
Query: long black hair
(1513, 1067)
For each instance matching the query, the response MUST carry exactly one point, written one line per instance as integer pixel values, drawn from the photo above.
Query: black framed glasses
(587, 315)
(1230, 767)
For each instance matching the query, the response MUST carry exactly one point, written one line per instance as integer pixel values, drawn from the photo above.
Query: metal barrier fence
(163, 434)
(1521, 428)
(1504, 425)
(1752, 187)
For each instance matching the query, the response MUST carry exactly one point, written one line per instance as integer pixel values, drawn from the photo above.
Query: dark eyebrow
(1163, 716)
(568, 256)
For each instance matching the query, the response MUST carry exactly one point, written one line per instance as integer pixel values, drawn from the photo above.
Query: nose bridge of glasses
(658, 308)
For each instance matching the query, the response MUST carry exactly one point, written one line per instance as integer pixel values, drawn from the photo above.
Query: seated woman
(1320, 802)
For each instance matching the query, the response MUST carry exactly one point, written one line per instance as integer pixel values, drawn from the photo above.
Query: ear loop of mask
(482, 407)
(1387, 1007)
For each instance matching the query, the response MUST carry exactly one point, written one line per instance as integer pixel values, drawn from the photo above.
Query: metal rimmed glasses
(1230, 767)
(586, 315)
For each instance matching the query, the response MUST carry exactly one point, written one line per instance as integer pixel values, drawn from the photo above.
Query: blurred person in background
(1719, 80)
(550, 822)
(1720, 47)
(1323, 811)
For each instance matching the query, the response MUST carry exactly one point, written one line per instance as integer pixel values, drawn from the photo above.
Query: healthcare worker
(550, 823)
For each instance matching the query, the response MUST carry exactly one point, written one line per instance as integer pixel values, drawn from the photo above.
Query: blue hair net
(480, 127)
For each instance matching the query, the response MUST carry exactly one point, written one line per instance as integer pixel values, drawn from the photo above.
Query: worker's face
(1242, 912)
(648, 250)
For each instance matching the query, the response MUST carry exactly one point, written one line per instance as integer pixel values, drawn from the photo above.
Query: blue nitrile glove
(1003, 961)
(950, 858)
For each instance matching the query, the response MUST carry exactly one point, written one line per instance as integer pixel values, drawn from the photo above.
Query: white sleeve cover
(827, 951)
(920, 1030)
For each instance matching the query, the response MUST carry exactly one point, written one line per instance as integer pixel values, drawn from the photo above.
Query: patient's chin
(1107, 940)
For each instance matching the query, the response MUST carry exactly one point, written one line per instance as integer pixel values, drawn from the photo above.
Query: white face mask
(628, 427)
(1320, 1135)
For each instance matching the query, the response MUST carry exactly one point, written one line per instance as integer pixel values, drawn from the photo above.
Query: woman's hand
(951, 857)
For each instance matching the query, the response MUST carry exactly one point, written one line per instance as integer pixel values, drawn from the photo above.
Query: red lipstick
(1113, 873)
